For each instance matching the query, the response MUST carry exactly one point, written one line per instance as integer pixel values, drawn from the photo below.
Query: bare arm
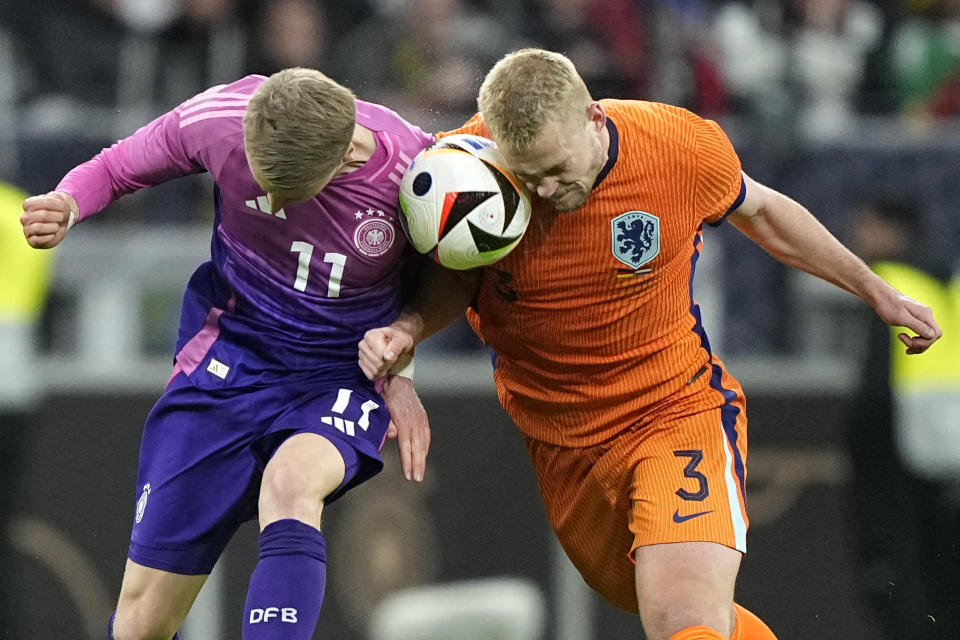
(790, 233)
(408, 424)
(441, 297)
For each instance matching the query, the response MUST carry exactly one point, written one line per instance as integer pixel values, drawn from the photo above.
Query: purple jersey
(285, 294)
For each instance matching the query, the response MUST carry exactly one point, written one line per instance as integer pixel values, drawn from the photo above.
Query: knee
(686, 585)
(294, 491)
(662, 619)
(136, 622)
(303, 471)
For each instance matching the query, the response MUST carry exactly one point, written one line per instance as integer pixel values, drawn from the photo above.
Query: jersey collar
(613, 153)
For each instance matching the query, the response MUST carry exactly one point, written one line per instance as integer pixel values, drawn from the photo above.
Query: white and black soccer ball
(460, 203)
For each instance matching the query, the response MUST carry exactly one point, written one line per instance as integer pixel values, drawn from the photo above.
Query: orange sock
(697, 633)
(750, 627)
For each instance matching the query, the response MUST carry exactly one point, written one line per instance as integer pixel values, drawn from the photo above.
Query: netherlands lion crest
(636, 238)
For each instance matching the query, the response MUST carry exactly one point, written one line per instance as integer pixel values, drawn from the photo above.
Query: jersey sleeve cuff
(733, 207)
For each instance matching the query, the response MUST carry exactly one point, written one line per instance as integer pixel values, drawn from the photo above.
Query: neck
(605, 144)
(362, 147)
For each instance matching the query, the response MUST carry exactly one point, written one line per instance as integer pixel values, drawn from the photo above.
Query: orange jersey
(592, 316)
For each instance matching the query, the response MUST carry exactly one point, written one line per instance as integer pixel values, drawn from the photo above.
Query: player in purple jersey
(267, 413)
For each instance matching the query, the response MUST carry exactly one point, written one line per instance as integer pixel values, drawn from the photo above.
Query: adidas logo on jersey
(261, 204)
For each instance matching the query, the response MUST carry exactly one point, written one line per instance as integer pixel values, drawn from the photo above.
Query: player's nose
(546, 188)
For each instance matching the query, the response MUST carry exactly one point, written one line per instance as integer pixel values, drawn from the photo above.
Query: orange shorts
(675, 478)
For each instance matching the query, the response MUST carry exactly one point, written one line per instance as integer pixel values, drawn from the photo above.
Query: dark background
(478, 514)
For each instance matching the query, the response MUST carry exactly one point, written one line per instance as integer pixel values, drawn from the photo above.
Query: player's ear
(276, 202)
(351, 151)
(596, 115)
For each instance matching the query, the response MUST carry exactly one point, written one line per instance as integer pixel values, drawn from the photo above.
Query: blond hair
(526, 90)
(297, 129)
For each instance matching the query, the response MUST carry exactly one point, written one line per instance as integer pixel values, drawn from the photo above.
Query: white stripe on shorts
(733, 496)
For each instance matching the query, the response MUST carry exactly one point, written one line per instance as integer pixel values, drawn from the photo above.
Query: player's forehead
(553, 148)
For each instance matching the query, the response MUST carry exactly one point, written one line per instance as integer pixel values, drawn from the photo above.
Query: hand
(380, 349)
(408, 424)
(46, 218)
(898, 310)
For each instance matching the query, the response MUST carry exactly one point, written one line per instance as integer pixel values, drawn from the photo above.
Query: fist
(47, 218)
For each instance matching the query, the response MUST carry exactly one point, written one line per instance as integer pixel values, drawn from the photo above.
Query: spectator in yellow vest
(904, 440)
(23, 288)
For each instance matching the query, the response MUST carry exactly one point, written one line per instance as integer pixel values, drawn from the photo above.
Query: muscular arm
(790, 233)
(441, 297)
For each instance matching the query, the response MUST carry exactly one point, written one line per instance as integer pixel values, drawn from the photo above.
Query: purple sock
(110, 628)
(286, 588)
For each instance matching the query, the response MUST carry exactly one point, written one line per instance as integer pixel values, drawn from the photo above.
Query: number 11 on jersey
(337, 261)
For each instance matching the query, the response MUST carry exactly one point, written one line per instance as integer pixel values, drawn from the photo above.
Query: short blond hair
(297, 129)
(526, 90)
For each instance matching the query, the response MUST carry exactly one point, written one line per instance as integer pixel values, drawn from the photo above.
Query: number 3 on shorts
(703, 490)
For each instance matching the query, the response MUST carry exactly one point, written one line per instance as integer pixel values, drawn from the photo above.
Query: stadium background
(833, 102)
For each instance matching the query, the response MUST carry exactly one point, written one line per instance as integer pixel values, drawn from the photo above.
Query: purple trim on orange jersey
(194, 351)
(728, 412)
(613, 152)
(736, 203)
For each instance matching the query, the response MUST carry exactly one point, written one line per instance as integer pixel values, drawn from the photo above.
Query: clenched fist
(47, 218)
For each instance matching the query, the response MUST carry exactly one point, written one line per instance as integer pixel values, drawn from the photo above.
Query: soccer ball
(461, 204)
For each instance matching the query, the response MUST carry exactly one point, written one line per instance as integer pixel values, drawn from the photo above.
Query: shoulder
(211, 123)
(219, 110)
(644, 126)
(474, 126)
(209, 126)
(384, 120)
(654, 118)
(666, 125)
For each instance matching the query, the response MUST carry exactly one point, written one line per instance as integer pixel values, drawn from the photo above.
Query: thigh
(686, 584)
(678, 479)
(686, 477)
(197, 480)
(349, 414)
(153, 602)
(591, 523)
(303, 471)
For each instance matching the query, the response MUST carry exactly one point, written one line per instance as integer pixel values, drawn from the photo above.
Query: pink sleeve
(154, 154)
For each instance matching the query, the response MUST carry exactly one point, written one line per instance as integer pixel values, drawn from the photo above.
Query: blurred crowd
(812, 63)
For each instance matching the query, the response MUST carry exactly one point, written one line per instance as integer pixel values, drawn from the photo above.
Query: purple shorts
(203, 453)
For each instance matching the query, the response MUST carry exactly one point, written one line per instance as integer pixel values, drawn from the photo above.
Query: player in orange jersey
(636, 431)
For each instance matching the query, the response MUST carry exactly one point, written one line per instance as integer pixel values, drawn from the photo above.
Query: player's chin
(569, 202)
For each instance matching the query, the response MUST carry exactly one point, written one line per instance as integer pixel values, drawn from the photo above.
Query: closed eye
(535, 179)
